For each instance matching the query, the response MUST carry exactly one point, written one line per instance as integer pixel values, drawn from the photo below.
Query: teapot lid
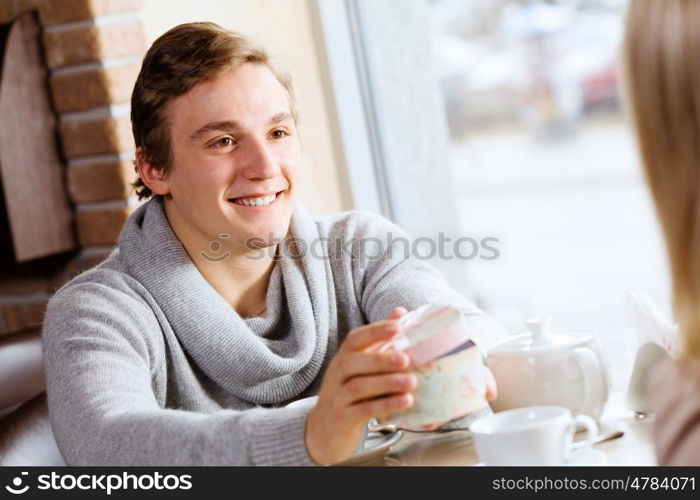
(541, 338)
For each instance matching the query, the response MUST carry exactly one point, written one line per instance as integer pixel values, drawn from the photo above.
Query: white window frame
(376, 143)
(351, 95)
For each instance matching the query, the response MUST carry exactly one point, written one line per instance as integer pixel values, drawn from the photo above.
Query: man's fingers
(398, 312)
(368, 363)
(381, 407)
(368, 335)
(491, 388)
(365, 387)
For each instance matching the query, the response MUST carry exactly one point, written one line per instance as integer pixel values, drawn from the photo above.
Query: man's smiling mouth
(256, 201)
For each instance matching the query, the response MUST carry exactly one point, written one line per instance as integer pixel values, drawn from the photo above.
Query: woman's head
(662, 76)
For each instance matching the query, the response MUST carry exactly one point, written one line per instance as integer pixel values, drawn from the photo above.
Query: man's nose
(259, 160)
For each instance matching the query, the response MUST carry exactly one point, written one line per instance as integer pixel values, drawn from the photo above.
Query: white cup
(534, 435)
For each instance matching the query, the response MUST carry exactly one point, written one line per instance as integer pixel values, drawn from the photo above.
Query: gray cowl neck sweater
(147, 364)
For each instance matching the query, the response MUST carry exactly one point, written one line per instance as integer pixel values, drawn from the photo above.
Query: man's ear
(153, 177)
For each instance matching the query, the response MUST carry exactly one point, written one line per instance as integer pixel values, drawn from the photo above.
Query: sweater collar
(263, 370)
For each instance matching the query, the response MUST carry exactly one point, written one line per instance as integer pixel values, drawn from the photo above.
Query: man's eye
(279, 134)
(224, 142)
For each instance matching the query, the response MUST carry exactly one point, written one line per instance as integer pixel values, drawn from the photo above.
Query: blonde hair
(662, 74)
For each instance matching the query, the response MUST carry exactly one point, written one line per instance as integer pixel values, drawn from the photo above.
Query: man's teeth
(257, 202)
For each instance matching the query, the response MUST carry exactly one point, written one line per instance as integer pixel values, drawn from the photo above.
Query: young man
(184, 346)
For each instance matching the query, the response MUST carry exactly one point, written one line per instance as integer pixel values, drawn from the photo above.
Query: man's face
(236, 159)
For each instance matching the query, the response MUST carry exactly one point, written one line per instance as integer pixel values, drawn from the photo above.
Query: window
(536, 152)
(544, 159)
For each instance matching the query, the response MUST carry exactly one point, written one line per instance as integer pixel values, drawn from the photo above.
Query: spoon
(387, 430)
(600, 438)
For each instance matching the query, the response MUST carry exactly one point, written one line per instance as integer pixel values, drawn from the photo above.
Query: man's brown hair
(177, 61)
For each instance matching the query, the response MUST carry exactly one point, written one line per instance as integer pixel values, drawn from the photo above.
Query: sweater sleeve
(675, 387)
(99, 354)
(387, 275)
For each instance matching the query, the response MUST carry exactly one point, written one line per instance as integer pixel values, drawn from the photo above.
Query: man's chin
(258, 243)
(262, 241)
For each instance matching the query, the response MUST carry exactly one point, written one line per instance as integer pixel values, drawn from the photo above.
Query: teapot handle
(593, 381)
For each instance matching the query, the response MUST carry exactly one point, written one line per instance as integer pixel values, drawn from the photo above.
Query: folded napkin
(650, 323)
(657, 340)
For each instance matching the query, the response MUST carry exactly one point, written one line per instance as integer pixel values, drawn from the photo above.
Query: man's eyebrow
(209, 127)
(280, 117)
(230, 125)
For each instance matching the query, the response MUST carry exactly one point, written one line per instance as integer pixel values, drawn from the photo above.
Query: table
(634, 448)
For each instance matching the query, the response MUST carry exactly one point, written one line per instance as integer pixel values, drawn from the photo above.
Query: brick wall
(93, 49)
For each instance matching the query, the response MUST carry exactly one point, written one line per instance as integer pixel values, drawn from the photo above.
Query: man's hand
(361, 382)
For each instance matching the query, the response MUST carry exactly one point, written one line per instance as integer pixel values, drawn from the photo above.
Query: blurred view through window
(545, 161)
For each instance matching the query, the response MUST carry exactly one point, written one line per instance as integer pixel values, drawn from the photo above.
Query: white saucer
(586, 457)
(375, 447)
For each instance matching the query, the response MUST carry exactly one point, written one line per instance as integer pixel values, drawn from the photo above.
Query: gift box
(447, 363)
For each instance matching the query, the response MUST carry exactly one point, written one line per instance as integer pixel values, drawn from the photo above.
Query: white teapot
(543, 368)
